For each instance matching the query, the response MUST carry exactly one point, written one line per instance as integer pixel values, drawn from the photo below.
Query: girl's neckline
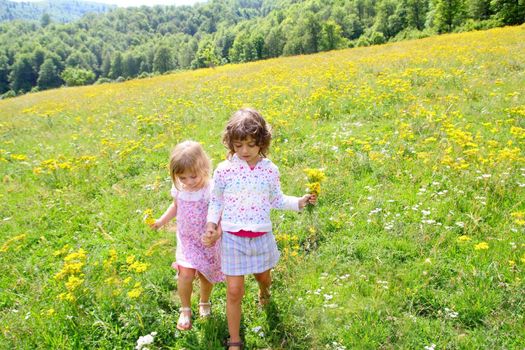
(251, 167)
(195, 191)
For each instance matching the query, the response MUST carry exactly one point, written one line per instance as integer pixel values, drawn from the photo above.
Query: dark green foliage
(116, 66)
(22, 75)
(163, 60)
(4, 74)
(448, 14)
(45, 20)
(48, 76)
(509, 11)
(130, 65)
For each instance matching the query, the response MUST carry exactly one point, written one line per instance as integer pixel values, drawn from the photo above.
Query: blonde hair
(244, 123)
(189, 156)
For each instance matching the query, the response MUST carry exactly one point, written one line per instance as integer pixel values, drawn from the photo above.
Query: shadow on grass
(284, 333)
(208, 333)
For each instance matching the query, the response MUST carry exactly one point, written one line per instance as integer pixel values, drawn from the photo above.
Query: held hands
(212, 234)
(307, 199)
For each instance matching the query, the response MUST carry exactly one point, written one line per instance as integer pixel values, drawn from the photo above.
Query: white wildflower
(145, 340)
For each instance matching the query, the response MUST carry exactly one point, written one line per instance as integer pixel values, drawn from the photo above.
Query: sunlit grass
(417, 238)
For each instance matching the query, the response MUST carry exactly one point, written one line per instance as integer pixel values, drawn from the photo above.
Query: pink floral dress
(192, 208)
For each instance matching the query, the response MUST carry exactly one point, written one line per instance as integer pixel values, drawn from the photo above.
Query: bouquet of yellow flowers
(148, 217)
(315, 177)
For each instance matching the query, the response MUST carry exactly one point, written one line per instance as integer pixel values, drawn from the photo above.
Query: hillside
(126, 43)
(59, 11)
(417, 241)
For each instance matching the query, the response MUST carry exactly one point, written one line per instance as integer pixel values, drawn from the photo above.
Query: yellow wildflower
(136, 291)
(315, 176)
(148, 217)
(5, 246)
(73, 282)
(138, 267)
(463, 238)
(481, 246)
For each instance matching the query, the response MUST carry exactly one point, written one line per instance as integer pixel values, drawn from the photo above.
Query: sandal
(239, 344)
(204, 309)
(184, 322)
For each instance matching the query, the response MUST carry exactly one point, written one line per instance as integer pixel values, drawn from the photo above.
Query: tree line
(137, 42)
(59, 10)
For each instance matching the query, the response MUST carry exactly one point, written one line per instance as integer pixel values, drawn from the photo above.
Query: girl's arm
(169, 214)
(216, 199)
(279, 200)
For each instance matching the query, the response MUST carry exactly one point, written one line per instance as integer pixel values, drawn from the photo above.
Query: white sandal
(184, 322)
(204, 309)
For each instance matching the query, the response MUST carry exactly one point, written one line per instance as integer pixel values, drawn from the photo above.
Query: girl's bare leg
(234, 295)
(265, 281)
(205, 292)
(185, 288)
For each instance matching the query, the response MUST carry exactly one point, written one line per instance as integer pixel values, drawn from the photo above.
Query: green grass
(417, 238)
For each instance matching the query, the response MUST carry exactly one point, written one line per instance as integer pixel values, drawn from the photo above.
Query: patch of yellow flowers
(315, 177)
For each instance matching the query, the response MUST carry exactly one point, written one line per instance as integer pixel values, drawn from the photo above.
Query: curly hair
(244, 123)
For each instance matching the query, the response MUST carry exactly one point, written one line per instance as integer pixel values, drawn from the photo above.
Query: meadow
(417, 241)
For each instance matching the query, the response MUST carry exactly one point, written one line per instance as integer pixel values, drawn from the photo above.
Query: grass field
(417, 242)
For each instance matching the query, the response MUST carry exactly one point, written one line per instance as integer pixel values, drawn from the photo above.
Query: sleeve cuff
(291, 203)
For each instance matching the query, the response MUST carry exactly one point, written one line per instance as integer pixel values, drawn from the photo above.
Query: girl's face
(247, 150)
(190, 180)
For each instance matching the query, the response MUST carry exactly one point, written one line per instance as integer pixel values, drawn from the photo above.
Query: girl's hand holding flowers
(315, 177)
(307, 199)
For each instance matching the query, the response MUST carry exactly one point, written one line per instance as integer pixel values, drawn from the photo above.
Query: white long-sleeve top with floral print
(245, 196)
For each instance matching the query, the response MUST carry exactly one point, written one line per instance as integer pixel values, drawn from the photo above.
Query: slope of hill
(58, 10)
(417, 241)
(130, 42)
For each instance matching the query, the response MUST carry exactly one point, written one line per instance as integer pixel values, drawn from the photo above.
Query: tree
(312, 30)
(45, 20)
(4, 74)
(105, 67)
(130, 66)
(48, 76)
(77, 76)
(242, 49)
(162, 62)
(330, 36)
(390, 18)
(274, 42)
(257, 40)
(116, 66)
(22, 76)
(187, 53)
(509, 12)
(38, 56)
(78, 59)
(224, 42)
(206, 56)
(416, 11)
(448, 14)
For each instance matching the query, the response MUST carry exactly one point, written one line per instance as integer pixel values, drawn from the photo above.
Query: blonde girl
(190, 170)
(246, 187)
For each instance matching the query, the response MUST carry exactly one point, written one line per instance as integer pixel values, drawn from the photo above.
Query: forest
(126, 43)
(59, 10)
